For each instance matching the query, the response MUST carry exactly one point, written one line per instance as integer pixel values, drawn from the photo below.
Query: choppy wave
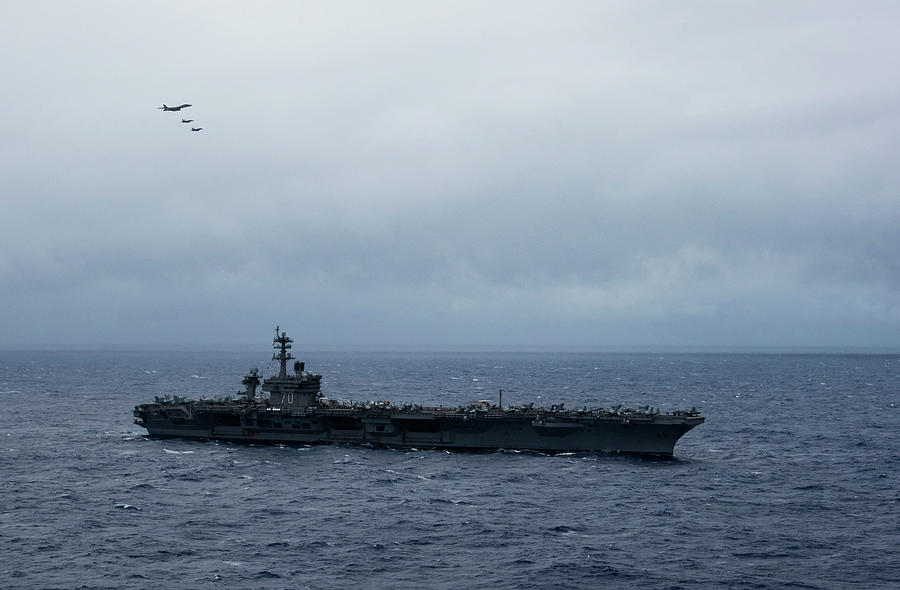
(790, 483)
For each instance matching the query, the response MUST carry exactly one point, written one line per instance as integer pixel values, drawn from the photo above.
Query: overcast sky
(450, 173)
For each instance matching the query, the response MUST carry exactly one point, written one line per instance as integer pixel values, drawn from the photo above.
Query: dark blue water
(792, 482)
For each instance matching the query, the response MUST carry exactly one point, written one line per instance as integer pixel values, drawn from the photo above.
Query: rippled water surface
(792, 482)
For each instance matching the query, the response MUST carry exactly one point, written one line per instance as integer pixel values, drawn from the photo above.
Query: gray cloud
(398, 174)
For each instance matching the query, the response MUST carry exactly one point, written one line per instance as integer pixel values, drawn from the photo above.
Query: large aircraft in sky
(165, 107)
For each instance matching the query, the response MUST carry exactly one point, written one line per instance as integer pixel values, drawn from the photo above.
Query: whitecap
(127, 507)
(178, 452)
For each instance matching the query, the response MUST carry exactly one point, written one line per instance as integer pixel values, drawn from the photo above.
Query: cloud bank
(406, 175)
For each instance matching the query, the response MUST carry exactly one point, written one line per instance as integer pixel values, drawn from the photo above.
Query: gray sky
(429, 174)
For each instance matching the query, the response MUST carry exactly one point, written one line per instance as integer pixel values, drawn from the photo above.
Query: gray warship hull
(439, 428)
(295, 413)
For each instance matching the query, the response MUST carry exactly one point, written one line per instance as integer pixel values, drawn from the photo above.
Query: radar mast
(283, 343)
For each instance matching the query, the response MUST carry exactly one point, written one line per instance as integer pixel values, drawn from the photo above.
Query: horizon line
(477, 348)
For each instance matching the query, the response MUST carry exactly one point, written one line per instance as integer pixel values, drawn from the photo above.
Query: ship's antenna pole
(501, 400)
(283, 343)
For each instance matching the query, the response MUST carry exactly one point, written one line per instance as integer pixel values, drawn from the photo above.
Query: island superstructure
(294, 411)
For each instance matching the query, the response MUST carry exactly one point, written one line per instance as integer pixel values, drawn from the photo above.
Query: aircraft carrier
(295, 412)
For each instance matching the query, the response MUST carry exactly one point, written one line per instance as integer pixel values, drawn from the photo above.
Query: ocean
(791, 483)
